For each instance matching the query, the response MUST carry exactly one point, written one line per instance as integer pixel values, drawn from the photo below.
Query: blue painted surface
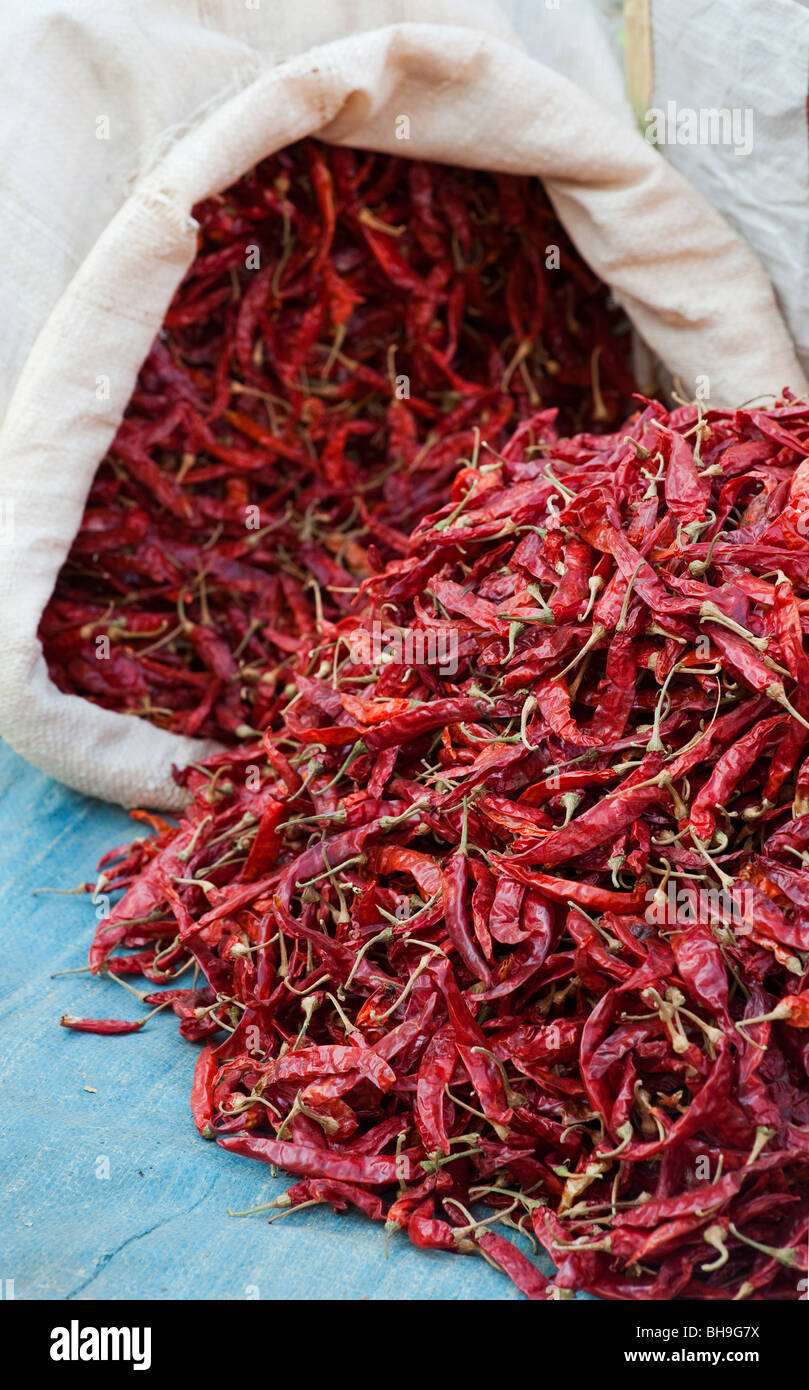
(109, 1192)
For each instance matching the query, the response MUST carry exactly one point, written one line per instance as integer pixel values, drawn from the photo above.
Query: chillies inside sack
(348, 323)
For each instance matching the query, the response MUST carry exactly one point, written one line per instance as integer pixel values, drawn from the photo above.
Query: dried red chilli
(100, 1025)
(349, 322)
(588, 1023)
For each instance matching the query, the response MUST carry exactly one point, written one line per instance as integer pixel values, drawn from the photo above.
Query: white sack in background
(750, 58)
(96, 234)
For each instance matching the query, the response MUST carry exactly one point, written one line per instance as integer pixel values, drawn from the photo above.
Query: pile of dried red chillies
(501, 932)
(348, 321)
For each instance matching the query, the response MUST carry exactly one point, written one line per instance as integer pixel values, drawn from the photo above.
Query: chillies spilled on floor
(500, 932)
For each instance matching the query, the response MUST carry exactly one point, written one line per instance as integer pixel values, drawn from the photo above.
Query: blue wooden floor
(107, 1190)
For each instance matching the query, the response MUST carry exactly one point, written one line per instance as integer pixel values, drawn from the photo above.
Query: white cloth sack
(751, 63)
(96, 235)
